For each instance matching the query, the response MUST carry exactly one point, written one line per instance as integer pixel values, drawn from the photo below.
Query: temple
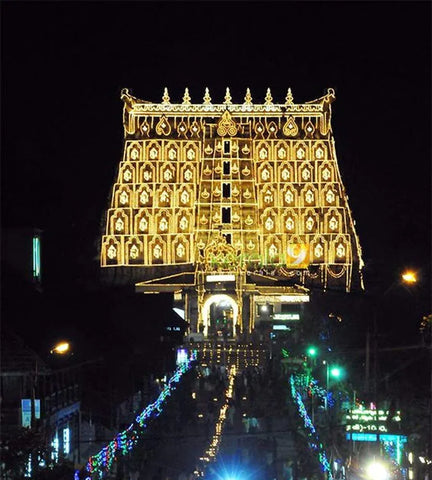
(238, 209)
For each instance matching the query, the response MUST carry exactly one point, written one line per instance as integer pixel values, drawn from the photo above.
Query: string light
(313, 439)
(123, 443)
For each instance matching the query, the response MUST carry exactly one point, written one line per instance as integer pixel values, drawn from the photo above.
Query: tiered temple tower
(230, 204)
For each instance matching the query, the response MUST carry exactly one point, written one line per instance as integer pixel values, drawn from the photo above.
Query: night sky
(63, 65)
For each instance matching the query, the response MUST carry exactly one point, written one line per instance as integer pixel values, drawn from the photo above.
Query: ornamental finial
(228, 97)
(289, 98)
(165, 97)
(207, 98)
(186, 97)
(248, 97)
(268, 97)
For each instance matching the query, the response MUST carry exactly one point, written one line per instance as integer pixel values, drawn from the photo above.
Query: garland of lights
(213, 448)
(314, 442)
(124, 441)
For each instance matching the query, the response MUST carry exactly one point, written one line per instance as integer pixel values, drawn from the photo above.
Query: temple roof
(247, 106)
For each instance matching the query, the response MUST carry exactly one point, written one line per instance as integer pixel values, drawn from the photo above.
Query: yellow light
(61, 348)
(409, 277)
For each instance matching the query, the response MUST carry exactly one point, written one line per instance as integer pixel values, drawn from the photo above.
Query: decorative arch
(340, 250)
(171, 152)
(133, 152)
(163, 222)
(333, 222)
(319, 250)
(289, 196)
(119, 222)
(188, 173)
(215, 299)
(265, 173)
(290, 222)
(153, 151)
(263, 151)
(285, 173)
(168, 173)
(142, 221)
(147, 173)
(123, 196)
(326, 172)
(300, 151)
(190, 151)
(319, 151)
(127, 173)
(281, 151)
(134, 251)
(330, 195)
(157, 251)
(180, 250)
(163, 196)
(268, 196)
(306, 172)
(309, 196)
(269, 221)
(310, 222)
(273, 250)
(144, 196)
(112, 252)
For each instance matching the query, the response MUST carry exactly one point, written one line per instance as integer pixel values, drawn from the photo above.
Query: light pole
(335, 372)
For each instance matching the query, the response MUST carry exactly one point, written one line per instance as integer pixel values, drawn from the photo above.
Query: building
(238, 209)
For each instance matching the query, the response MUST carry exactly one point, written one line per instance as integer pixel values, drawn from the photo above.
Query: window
(228, 237)
(226, 168)
(226, 190)
(226, 214)
(227, 147)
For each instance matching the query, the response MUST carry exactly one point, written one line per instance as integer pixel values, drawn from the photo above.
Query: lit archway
(219, 300)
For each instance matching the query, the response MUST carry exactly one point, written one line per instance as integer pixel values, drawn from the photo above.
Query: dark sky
(63, 65)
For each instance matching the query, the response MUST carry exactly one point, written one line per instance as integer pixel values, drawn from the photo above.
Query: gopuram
(238, 209)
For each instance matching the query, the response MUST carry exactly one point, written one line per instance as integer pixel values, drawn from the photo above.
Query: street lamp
(409, 277)
(61, 348)
(333, 371)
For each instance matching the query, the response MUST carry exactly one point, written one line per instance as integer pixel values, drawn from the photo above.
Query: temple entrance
(220, 317)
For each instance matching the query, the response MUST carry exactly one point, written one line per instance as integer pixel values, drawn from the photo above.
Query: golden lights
(264, 175)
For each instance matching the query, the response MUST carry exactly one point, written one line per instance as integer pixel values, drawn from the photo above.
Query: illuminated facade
(242, 200)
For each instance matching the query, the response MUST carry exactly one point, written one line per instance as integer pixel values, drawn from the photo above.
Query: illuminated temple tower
(230, 204)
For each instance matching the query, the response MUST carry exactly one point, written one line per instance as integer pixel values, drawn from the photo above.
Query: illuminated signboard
(26, 411)
(286, 316)
(369, 421)
(281, 327)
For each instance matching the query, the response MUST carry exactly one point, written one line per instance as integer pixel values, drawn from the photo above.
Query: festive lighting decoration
(230, 189)
(313, 439)
(213, 448)
(363, 420)
(123, 443)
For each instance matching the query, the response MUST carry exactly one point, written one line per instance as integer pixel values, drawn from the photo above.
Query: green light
(312, 351)
(36, 258)
(336, 372)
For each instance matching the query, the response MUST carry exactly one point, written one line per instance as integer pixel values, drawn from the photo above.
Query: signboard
(281, 327)
(26, 411)
(286, 316)
(362, 420)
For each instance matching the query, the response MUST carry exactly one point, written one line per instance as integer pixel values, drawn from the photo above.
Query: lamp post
(333, 371)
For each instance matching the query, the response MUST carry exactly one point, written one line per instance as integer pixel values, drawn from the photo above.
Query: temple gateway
(238, 209)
